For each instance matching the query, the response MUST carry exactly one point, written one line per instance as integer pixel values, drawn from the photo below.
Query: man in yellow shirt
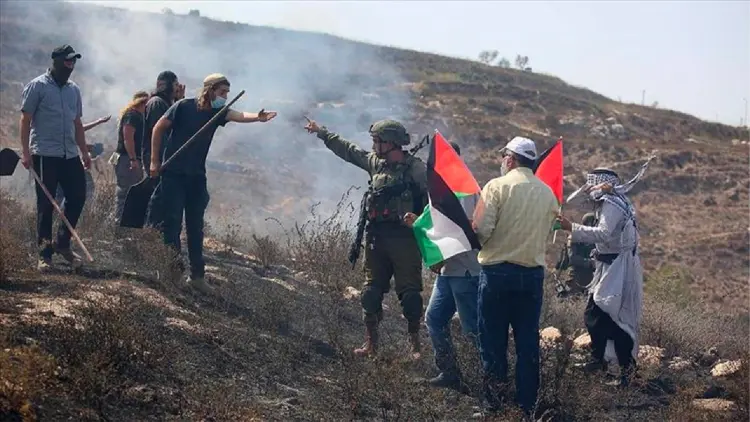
(513, 225)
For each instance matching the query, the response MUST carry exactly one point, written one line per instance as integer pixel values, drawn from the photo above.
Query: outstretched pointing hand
(311, 126)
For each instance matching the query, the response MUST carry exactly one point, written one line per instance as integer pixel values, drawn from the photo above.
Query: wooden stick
(62, 215)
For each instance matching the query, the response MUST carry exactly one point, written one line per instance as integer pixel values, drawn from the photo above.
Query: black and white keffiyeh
(604, 175)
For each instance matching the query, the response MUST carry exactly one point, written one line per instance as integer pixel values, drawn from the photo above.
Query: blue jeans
(510, 295)
(451, 294)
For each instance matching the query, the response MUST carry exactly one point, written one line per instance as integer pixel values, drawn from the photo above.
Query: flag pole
(554, 233)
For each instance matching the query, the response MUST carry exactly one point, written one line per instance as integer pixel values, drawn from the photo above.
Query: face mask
(61, 71)
(218, 102)
(504, 167)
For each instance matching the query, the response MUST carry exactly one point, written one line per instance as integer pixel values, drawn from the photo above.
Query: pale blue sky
(690, 56)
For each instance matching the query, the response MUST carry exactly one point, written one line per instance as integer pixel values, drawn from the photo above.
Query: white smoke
(333, 81)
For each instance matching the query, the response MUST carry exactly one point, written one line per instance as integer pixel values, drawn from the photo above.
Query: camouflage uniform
(577, 257)
(390, 248)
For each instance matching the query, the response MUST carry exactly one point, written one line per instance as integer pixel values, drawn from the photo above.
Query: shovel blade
(136, 203)
(8, 161)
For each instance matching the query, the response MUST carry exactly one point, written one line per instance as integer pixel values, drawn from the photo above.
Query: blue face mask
(218, 102)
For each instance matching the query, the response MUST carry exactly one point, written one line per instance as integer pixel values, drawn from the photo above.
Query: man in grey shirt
(455, 289)
(53, 141)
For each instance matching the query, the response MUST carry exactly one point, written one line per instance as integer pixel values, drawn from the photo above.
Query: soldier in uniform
(398, 185)
(577, 257)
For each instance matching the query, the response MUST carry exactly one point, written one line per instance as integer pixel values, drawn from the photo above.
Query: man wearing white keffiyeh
(614, 309)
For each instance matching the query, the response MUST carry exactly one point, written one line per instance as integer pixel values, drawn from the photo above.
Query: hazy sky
(690, 56)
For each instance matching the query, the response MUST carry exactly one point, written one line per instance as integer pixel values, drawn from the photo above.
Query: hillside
(123, 339)
(693, 201)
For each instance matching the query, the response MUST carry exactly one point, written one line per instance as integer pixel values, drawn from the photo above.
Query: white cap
(524, 147)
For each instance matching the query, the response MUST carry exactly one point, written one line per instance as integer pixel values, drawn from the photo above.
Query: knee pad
(372, 300)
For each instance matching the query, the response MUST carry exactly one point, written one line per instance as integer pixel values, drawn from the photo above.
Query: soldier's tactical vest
(393, 193)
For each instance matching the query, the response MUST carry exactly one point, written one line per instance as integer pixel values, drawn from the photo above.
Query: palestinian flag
(549, 169)
(443, 230)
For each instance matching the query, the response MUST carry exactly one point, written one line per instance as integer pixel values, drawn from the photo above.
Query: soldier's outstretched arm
(346, 150)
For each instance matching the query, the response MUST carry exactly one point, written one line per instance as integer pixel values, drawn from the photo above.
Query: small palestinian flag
(549, 169)
(443, 230)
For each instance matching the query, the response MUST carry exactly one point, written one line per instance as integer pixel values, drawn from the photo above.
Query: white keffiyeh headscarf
(604, 175)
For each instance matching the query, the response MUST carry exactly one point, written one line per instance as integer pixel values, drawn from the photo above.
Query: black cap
(456, 148)
(65, 52)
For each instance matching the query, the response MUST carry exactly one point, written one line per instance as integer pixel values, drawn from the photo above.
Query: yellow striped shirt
(515, 218)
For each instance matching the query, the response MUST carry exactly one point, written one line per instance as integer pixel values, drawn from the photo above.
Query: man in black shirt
(168, 90)
(183, 183)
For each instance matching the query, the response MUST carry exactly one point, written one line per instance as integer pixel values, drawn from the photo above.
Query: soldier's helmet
(589, 219)
(390, 131)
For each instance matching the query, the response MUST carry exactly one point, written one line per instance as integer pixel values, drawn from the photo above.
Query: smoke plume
(267, 168)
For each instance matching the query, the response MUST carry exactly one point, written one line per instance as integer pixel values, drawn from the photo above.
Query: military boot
(370, 348)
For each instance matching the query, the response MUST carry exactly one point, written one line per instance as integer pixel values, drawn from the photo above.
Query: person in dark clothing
(183, 184)
(127, 157)
(54, 142)
(576, 256)
(168, 91)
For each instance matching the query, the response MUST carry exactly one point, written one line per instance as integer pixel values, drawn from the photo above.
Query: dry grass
(274, 341)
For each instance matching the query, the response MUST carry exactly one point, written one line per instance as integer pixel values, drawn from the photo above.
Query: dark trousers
(601, 328)
(155, 211)
(510, 295)
(67, 173)
(185, 195)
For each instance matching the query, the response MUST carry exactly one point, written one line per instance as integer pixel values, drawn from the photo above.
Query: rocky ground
(123, 338)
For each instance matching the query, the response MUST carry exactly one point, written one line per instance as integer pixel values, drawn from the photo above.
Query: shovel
(8, 161)
(139, 195)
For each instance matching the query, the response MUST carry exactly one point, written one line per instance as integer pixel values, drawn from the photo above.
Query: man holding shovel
(54, 143)
(168, 91)
(183, 181)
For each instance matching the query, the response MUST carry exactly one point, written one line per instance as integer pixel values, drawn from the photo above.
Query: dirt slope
(124, 339)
